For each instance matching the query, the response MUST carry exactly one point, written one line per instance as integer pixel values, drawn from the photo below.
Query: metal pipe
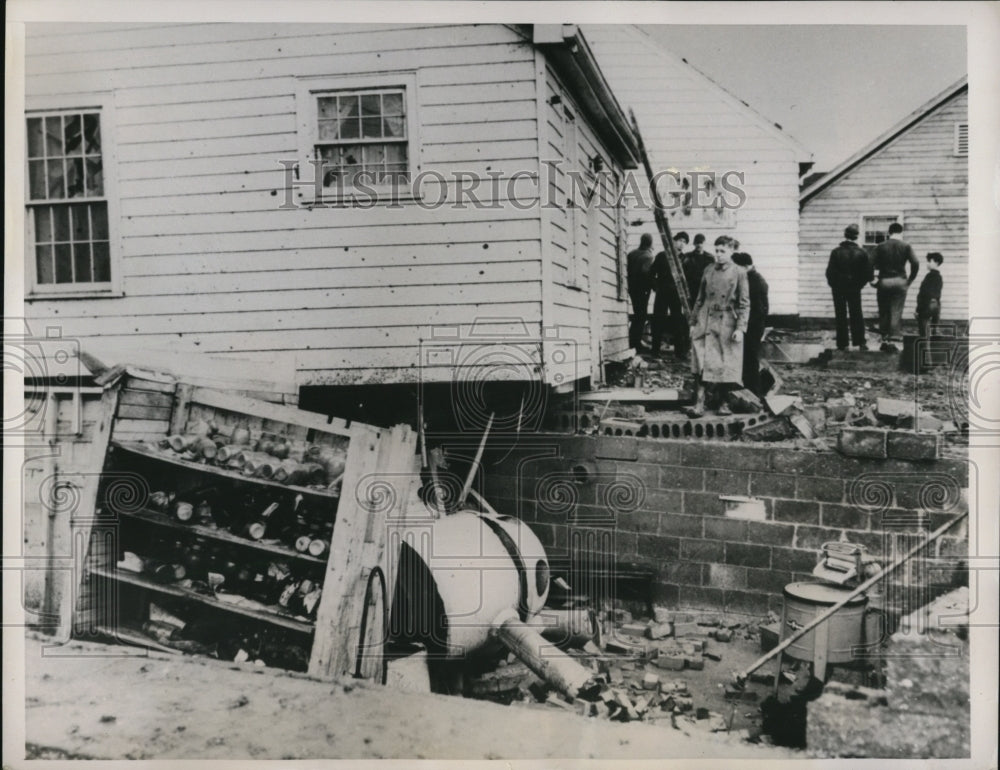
(475, 464)
(741, 676)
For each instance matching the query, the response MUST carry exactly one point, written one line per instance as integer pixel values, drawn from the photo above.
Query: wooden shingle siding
(210, 263)
(916, 176)
(689, 123)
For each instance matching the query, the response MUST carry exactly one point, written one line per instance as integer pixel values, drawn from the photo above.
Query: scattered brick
(633, 629)
(696, 662)
(685, 629)
(659, 630)
(744, 402)
(683, 703)
(863, 442)
(701, 713)
(732, 693)
(750, 696)
(651, 682)
(713, 656)
(723, 635)
(671, 662)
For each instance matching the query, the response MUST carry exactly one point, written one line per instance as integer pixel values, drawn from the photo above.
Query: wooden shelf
(144, 451)
(161, 519)
(131, 578)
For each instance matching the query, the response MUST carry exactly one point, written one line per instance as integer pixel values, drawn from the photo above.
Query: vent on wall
(962, 139)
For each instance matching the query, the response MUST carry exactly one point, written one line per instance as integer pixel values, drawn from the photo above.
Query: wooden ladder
(673, 259)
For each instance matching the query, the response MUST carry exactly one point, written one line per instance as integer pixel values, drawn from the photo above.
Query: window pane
(395, 127)
(99, 221)
(349, 128)
(374, 154)
(53, 136)
(43, 262)
(81, 222)
(370, 104)
(74, 177)
(72, 139)
(64, 263)
(326, 107)
(102, 262)
(57, 188)
(81, 263)
(327, 130)
(348, 106)
(392, 104)
(92, 133)
(36, 145)
(95, 175)
(395, 153)
(43, 224)
(36, 180)
(350, 155)
(371, 128)
(61, 216)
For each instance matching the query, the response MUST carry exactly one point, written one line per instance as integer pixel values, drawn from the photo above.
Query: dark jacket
(759, 306)
(663, 279)
(930, 290)
(694, 265)
(640, 266)
(890, 260)
(849, 267)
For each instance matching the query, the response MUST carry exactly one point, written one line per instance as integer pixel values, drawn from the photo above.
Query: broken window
(67, 215)
(361, 136)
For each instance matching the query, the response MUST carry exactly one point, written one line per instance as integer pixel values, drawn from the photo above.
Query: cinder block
(685, 629)
(748, 555)
(633, 629)
(695, 662)
(659, 630)
(723, 635)
(651, 682)
(909, 445)
(863, 442)
(670, 662)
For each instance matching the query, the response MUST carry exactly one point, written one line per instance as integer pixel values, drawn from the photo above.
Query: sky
(835, 88)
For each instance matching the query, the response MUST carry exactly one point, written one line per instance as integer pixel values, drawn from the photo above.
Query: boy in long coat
(719, 322)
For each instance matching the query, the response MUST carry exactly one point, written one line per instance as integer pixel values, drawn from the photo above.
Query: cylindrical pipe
(566, 628)
(551, 664)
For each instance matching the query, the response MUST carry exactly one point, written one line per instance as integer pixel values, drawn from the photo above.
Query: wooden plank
(235, 403)
(631, 396)
(181, 411)
(78, 609)
(155, 399)
(147, 428)
(143, 412)
(330, 656)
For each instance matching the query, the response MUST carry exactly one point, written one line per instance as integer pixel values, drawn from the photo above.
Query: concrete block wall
(656, 504)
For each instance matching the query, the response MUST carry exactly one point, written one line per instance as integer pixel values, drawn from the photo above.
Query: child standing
(718, 322)
(929, 296)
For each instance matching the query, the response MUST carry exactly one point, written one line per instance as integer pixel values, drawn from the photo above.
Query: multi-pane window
(67, 205)
(876, 228)
(362, 136)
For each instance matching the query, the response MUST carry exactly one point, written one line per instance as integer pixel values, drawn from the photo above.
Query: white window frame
(871, 215)
(310, 88)
(957, 144)
(102, 103)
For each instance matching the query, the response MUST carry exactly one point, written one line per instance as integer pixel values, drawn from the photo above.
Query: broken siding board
(235, 403)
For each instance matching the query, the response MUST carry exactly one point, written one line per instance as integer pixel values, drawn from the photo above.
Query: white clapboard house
(917, 174)
(698, 132)
(173, 203)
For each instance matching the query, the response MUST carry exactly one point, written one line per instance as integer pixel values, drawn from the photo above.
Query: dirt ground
(101, 701)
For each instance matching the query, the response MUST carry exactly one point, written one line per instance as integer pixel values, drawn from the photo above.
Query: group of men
(729, 305)
(850, 269)
(723, 332)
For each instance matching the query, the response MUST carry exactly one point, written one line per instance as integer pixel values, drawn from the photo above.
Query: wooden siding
(569, 142)
(210, 263)
(917, 176)
(688, 123)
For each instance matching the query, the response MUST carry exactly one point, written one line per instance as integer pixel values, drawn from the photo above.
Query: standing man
(759, 307)
(667, 314)
(693, 265)
(639, 266)
(847, 272)
(890, 260)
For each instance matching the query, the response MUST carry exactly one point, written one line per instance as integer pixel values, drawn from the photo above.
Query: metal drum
(832, 641)
(460, 573)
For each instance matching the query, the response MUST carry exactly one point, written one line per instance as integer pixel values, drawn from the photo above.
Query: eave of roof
(567, 50)
(884, 139)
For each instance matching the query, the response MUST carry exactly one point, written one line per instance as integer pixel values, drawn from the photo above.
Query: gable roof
(655, 48)
(904, 125)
